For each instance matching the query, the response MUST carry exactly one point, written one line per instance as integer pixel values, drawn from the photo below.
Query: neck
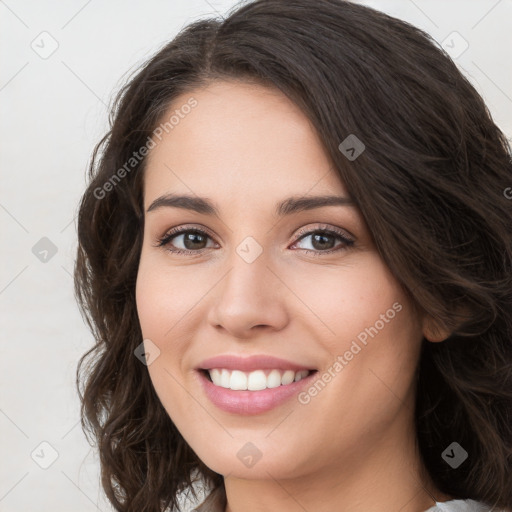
(383, 474)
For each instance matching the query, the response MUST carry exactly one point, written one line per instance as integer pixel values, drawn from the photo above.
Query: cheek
(164, 295)
(348, 298)
(368, 319)
(148, 295)
(161, 303)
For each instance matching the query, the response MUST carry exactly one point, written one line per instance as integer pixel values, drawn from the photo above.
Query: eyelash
(166, 239)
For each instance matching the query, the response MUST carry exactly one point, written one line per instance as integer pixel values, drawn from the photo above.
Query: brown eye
(324, 241)
(191, 241)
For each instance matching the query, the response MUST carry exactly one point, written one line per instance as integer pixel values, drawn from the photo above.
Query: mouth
(255, 380)
(254, 384)
(256, 393)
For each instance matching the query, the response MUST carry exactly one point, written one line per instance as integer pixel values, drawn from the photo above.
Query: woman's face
(268, 281)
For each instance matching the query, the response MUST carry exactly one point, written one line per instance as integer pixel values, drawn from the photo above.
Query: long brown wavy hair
(433, 185)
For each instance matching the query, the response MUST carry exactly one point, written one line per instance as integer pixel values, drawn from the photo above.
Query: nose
(250, 297)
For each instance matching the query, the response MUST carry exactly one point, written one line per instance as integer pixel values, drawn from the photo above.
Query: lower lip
(246, 402)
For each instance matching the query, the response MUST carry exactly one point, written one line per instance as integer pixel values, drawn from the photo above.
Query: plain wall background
(53, 110)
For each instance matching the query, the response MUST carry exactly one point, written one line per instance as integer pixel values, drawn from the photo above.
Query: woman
(295, 254)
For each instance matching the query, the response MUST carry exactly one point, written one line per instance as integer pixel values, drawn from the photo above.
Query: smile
(246, 402)
(255, 380)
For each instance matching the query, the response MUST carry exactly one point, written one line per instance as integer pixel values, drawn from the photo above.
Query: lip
(245, 402)
(247, 364)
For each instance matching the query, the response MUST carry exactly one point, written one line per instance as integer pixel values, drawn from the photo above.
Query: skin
(352, 447)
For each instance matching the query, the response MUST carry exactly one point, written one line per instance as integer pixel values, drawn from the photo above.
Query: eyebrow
(286, 207)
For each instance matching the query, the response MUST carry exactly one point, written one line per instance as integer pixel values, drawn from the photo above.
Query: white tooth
(225, 378)
(238, 380)
(215, 376)
(257, 380)
(287, 377)
(274, 379)
(301, 374)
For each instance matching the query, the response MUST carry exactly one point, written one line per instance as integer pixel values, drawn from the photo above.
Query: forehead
(239, 140)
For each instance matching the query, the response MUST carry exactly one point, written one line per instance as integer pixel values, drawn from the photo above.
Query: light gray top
(461, 506)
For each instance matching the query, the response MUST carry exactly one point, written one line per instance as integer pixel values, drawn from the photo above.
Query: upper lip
(259, 362)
